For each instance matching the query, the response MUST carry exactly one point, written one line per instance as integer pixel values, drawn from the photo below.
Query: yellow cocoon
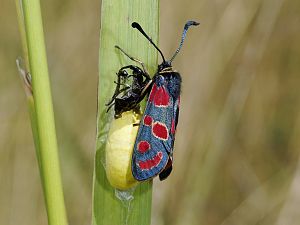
(119, 148)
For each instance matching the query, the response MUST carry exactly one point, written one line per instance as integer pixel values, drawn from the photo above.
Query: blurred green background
(237, 144)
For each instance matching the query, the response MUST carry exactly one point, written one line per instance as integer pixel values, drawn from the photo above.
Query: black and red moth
(153, 148)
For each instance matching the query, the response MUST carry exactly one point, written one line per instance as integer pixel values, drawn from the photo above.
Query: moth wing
(154, 142)
(168, 168)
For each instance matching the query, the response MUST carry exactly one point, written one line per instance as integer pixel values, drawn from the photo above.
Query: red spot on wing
(160, 130)
(150, 163)
(161, 97)
(152, 93)
(148, 120)
(173, 127)
(143, 146)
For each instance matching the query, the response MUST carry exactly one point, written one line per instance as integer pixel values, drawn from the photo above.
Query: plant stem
(21, 24)
(43, 113)
(116, 19)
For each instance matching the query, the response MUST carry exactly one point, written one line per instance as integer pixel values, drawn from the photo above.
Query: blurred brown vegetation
(237, 144)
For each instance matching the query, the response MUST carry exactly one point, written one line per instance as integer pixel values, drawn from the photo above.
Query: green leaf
(116, 19)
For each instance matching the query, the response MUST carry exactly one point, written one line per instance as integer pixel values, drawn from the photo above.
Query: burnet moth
(153, 147)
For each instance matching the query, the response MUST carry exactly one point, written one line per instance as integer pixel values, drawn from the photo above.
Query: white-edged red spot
(161, 98)
(153, 92)
(173, 127)
(148, 120)
(160, 131)
(150, 163)
(143, 146)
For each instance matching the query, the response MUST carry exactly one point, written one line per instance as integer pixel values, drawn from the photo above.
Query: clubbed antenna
(185, 29)
(137, 26)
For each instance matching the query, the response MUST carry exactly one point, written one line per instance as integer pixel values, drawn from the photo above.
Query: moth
(153, 148)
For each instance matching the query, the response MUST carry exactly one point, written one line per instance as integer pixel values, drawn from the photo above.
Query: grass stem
(42, 114)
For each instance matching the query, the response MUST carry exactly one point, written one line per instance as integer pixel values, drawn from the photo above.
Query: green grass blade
(42, 113)
(116, 19)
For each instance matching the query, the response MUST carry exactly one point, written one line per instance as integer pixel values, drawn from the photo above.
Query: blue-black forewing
(153, 148)
(168, 168)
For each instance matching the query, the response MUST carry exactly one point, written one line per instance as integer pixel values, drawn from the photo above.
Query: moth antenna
(140, 29)
(185, 29)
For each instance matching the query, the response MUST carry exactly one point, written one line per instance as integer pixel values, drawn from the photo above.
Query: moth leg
(135, 60)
